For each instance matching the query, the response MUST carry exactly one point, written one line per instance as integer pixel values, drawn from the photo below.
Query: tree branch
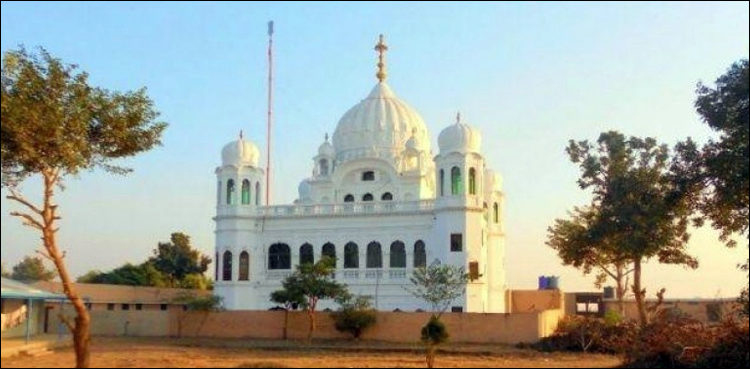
(16, 196)
(45, 255)
(30, 221)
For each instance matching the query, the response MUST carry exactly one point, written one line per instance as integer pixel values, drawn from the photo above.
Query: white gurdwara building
(379, 202)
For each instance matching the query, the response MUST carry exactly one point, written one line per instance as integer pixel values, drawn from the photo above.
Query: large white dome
(240, 153)
(380, 125)
(459, 137)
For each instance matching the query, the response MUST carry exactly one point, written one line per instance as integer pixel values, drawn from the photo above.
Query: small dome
(326, 149)
(381, 123)
(240, 153)
(459, 137)
(305, 191)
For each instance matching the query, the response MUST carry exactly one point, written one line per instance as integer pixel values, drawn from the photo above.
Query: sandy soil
(145, 353)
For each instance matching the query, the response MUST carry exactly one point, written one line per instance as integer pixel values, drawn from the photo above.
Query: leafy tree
(642, 203)
(289, 300)
(355, 315)
(723, 164)
(131, 275)
(89, 277)
(177, 259)
(195, 281)
(32, 269)
(313, 282)
(434, 334)
(54, 124)
(438, 285)
(575, 246)
(726, 162)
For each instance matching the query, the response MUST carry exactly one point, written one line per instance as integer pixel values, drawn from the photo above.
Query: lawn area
(204, 353)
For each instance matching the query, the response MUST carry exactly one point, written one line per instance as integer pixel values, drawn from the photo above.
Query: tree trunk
(640, 294)
(430, 355)
(80, 331)
(311, 316)
(620, 292)
(286, 323)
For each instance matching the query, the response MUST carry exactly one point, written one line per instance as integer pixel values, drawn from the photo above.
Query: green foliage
(178, 259)
(588, 334)
(131, 275)
(311, 283)
(434, 332)
(612, 317)
(32, 269)
(89, 277)
(643, 202)
(290, 300)
(438, 285)
(53, 119)
(194, 281)
(725, 163)
(355, 316)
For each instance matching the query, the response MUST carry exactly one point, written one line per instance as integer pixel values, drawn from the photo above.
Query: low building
(23, 308)
(119, 297)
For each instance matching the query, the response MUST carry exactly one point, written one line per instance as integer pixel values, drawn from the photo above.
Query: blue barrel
(553, 282)
(543, 282)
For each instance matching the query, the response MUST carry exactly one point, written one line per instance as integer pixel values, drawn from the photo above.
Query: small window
(125, 307)
(110, 307)
(457, 309)
(368, 176)
(139, 306)
(163, 307)
(387, 197)
(367, 197)
(457, 242)
(474, 270)
(349, 198)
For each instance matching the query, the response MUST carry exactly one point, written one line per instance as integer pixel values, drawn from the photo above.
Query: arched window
(226, 273)
(329, 251)
(387, 196)
(367, 197)
(257, 193)
(306, 255)
(398, 255)
(323, 167)
(472, 181)
(420, 255)
(349, 198)
(351, 256)
(279, 257)
(246, 192)
(442, 182)
(216, 268)
(230, 192)
(244, 266)
(374, 255)
(455, 181)
(495, 213)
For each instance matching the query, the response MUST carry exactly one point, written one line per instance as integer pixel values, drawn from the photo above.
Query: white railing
(335, 209)
(374, 274)
(397, 274)
(351, 274)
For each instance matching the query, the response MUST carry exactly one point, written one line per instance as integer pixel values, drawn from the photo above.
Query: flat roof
(12, 289)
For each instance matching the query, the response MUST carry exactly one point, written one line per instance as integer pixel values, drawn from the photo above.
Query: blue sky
(531, 76)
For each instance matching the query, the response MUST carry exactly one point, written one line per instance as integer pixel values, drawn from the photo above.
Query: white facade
(377, 198)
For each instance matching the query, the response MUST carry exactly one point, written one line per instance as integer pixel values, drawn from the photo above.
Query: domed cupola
(379, 125)
(240, 153)
(459, 137)
(326, 149)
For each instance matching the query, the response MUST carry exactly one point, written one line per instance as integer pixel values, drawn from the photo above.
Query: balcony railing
(329, 209)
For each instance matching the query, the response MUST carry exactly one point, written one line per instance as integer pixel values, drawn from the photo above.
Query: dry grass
(146, 353)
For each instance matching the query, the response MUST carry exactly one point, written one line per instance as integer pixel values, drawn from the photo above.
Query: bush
(434, 332)
(353, 321)
(584, 334)
(355, 315)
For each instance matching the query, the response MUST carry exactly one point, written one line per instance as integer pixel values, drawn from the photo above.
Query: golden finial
(458, 117)
(241, 134)
(381, 48)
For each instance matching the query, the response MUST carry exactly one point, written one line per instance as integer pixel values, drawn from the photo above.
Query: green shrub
(354, 321)
(584, 334)
(434, 332)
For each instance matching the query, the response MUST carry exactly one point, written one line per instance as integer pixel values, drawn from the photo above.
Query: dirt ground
(152, 353)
